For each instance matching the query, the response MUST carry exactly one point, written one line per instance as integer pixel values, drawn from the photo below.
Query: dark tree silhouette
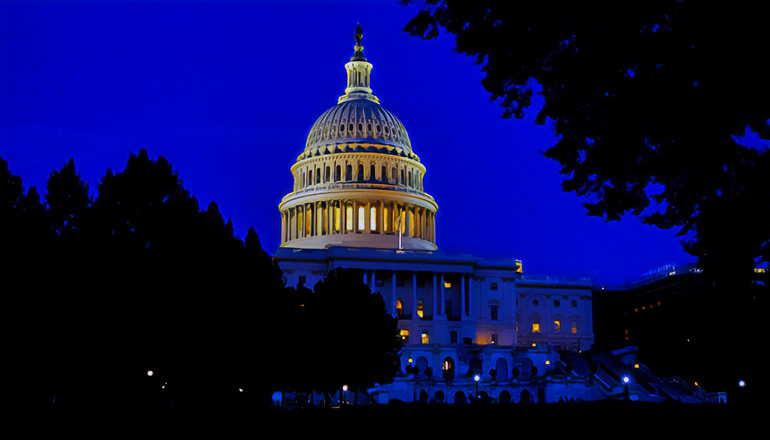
(340, 333)
(649, 102)
(138, 280)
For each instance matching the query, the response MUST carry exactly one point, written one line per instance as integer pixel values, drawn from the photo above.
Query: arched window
(317, 175)
(310, 177)
(402, 181)
(384, 175)
(337, 176)
(399, 308)
(501, 366)
(360, 173)
(420, 308)
(386, 220)
(393, 175)
(349, 173)
(372, 176)
(327, 178)
(424, 338)
(409, 178)
(448, 367)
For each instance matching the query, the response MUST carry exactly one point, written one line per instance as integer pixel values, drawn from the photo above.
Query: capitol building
(360, 201)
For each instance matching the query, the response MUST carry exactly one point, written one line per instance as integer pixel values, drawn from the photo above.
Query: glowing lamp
(741, 383)
(476, 377)
(149, 372)
(626, 379)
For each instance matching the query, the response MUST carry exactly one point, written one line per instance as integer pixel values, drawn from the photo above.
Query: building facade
(470, 326)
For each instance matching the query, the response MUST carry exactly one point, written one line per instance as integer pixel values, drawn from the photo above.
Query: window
(493, 312)
(556, 326)
(399, 308)
(495, 339)
(556, 303)
(424, 337)
(493, 286)
(535, 327)
(453, 337)
(574, 303)
(420, 308)
(447, 284)
(574, 327)
(373, 219)
(361, 218)
(404, 336)
(534, 302)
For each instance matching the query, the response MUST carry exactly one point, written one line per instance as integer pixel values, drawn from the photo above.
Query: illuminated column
(367, 218)
(283, 227)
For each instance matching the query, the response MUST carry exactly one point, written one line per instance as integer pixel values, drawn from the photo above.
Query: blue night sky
(227, 92)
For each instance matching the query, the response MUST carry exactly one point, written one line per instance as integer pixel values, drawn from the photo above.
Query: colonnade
(438, 294)
(357, 217)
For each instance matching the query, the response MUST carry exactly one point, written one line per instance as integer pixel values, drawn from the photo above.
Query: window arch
(348, 173)
(360, 176)
(399, 308)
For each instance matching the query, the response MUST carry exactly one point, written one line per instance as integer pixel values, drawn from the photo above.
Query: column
(393, 300)
(372, 283)
(441, 305)
(462, 296)
(435, 294)
(470, 297)
(414, 295)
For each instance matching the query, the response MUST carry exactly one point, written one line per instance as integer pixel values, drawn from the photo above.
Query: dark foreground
(601, 419)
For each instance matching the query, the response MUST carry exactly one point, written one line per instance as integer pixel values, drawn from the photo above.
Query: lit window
(424, 337)
(373, 218)
(404, 336)
(535, 327)
(349, 218)
(447, 284)
(399, 308)
(557, 326)
(420, 308)
(574, 327)
(361, 219)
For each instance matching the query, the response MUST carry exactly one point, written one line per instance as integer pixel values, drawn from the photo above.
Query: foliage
(358, 345)
(649, 102)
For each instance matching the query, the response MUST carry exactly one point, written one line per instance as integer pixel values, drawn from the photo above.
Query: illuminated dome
(358, 183)
(355, 121)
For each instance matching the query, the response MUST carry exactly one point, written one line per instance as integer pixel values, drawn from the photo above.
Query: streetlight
(345, 396)
(477, 378)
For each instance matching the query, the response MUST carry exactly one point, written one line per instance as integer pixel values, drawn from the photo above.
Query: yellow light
(410, 360)
(636, 365)
(447, 284)
(696, 384)
(547, 362)
(534, 345)
(536, 327)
